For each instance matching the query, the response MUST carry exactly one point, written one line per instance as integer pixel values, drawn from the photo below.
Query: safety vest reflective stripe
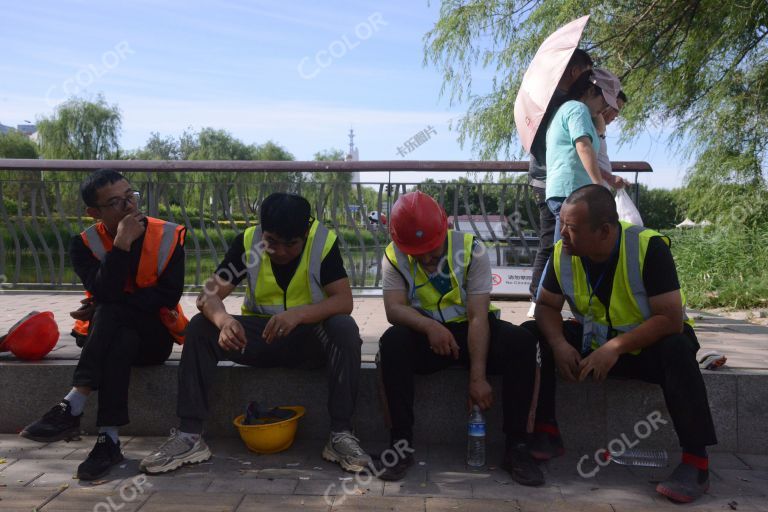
(315, 263)
(94, 243)
(254, 265)
(634, 272)
(457, 241)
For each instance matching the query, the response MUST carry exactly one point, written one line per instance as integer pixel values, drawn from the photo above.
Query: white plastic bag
(627, 209)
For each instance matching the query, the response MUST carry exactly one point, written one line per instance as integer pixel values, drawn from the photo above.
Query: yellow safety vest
(264, 297)
(629, 306)
(422, 295)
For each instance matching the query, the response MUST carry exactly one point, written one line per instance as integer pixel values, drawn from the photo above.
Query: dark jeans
(546, 237)
(335, 341)
(670, 363)
(512, 353)
(119, 337)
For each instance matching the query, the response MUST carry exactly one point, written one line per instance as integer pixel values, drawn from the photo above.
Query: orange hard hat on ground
(417, 223)
(32, 337)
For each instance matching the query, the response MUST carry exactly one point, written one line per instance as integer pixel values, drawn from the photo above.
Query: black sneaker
(392, 470)
(521, 466)
(103, 456)
(55, 425)
(685, 484)
(544, 446)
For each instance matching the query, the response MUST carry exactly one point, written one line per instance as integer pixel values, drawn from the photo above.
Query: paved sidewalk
(745, 344)
(35, 476)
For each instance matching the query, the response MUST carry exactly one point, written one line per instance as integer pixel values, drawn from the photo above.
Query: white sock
(111, 432)
(76, 401)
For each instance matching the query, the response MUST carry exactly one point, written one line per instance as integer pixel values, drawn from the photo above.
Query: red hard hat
(32, 337)
(417, 223)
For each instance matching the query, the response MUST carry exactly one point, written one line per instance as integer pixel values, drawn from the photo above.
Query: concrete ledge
(590, 414)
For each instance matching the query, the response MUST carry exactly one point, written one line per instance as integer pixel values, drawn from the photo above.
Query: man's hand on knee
(442, 342)
(232, 335)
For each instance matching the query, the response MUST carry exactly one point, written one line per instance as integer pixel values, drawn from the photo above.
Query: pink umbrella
(542, 76)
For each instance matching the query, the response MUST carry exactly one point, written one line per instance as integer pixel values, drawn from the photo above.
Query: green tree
(696, 68)
(81, 130)
(212, 144)
(15, 144)
(331, 155)
(157, 148)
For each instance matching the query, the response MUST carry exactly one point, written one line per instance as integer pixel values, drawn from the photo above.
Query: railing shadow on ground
(41, 208)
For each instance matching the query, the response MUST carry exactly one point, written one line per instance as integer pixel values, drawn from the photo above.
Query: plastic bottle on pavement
(476, 438)
(644, 458)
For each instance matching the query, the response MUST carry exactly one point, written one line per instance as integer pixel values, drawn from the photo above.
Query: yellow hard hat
(270, 437)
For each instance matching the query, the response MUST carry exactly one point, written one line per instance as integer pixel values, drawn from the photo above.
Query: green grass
(721, 267)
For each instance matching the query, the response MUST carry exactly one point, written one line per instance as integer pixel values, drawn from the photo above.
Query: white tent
(687, 223)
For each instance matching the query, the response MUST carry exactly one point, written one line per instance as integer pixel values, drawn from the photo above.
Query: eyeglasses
(122, 203)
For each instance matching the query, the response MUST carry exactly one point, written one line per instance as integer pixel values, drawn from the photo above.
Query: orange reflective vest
(160, 240)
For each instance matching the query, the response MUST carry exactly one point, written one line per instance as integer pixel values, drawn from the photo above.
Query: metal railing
(41, 208)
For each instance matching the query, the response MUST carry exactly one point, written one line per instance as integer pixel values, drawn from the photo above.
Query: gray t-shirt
(478, 277)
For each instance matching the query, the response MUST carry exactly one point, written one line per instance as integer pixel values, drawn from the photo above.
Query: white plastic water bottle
(476, 438)
(643, 458)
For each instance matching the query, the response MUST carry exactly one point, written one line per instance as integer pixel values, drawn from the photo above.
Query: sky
(298, 73)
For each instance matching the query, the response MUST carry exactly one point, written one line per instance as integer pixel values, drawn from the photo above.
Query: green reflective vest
(264, 297)
(629, 306)
(422, 295)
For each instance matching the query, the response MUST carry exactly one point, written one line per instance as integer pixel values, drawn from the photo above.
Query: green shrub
(721, 267)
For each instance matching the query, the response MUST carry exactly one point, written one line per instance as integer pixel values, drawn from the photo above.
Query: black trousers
(335, 343)
(546, 237)
(512, 353)
(670, 363)
(119, 337)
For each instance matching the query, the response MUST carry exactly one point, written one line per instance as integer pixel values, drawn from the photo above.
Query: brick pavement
(37, 476)
(745, 344)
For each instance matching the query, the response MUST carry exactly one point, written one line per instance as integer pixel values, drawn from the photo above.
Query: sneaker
(685, 484)
(521, 466)
(389, 471)
(544, 446)
(174, 453)
(55, 425)
(103, 456)
(532, 311)
(344, 448)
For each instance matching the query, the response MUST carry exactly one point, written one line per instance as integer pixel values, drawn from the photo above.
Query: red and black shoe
(686, 483)
(545, 443)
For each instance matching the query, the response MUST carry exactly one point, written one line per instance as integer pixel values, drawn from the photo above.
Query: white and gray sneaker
(174, 453)
(344, 448)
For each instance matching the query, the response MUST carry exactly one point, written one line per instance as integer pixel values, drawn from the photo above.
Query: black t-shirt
(233, 268)
(659, 273)
(537, 167)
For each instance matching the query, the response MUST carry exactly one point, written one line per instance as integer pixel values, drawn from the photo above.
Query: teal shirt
(565, 172)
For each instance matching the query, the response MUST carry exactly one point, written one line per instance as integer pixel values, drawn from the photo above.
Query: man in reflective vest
(621, 284)
(296, 313)
(132, 268)
(437, 285)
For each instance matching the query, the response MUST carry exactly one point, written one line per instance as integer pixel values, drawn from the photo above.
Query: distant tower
(353, 155)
